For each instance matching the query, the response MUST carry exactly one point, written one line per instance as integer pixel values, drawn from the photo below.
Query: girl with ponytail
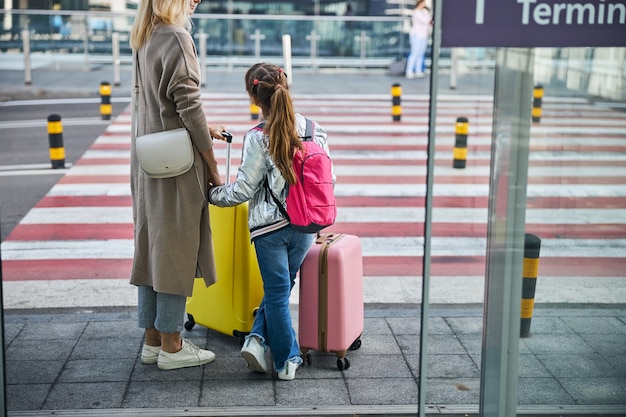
(266, 167)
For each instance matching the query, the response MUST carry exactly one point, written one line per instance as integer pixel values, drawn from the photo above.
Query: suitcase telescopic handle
(229, 142)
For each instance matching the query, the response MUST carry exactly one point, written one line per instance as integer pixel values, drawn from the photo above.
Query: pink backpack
(310, 204)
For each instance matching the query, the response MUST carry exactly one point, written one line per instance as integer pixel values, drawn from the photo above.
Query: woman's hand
(216, 132)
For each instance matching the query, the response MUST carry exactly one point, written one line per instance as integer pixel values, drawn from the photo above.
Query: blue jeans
(415, 61)
(164, 312)
(280, 255)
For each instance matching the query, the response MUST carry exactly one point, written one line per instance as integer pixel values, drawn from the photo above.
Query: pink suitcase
(331, 297)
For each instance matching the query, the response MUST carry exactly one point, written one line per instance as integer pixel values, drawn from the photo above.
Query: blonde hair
(152, 12)
(267, 84)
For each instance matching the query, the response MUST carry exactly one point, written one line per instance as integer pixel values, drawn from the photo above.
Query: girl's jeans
(280, 255)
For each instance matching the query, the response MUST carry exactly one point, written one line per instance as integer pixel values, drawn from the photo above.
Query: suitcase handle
(328, 238)
(229, 142)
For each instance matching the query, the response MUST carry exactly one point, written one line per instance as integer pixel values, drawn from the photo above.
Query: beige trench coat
(172, 230)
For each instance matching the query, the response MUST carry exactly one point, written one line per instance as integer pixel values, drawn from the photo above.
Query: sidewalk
(86, 363)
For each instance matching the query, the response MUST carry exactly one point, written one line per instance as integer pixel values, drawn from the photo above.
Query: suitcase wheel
(190, 323)
(343, 364)
(356, 344)
(241, 336)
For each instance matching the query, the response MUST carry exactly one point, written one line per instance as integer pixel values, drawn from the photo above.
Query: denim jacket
(257, 165)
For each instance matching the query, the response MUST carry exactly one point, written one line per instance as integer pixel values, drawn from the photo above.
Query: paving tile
(377, 366)
(377, 325)
(11, 330)
(443, 344)
(32, 372)
(36, 350)
(530, 366)
(409, 343)
(606, 325)
(580, 365)
(71, 396)
(466, 325)
(162, 394)
(377, 344)
(308, 392)
(438, 325)
(52, 331)
(596, 391)
(383, 391)
(229, 393)
(451, 366)
(112, 348)
(404, 325)
(453, 391)
(97, 370)
(551, 325)
(105, 329)
(542, 391)
(549, 343)
(26, 397)
(607, 344)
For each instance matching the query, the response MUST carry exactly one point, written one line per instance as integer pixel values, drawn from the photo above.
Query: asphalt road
(26, 173)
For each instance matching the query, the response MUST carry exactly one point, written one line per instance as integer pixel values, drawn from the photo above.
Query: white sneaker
(410, 75)
(150, 354)
(189, 355)
(254, 354)
(289, 372)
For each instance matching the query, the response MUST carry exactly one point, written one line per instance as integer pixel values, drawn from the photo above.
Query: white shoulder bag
(165, 154)
(162, 154)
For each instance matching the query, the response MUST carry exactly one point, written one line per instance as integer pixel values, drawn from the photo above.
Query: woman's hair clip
(280, 70)
(256, 82)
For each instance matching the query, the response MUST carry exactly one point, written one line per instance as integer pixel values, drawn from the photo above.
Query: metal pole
(428, 204)
(28, 76)
(505, 232)
(454, 62)
(202, 46)
(313, 37)
(115, 47)
(363, 48)
(287, 65)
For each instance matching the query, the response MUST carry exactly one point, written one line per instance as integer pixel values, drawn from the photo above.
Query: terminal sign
(533, 23)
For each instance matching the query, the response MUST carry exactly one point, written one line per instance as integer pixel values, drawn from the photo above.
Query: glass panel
(573, 350)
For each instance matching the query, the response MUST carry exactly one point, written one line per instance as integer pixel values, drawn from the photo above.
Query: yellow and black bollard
(254, 111)
(396, 99)
(459, 153)
(532, 247)
(55, 141)
(105, 104)
(537, 99)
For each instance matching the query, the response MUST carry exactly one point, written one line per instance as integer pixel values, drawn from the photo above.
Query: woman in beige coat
(172, 230)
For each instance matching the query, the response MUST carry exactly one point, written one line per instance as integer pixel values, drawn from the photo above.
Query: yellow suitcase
(229, 305)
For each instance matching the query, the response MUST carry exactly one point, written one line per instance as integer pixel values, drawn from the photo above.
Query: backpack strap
(310, 131)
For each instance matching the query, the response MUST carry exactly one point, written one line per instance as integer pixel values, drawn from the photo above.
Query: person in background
(172, 229)
(420, 30)
(266, 165)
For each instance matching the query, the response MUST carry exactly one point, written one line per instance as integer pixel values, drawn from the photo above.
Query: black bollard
(459, 153)
(55, 141)
(396, 99)
(532, 247)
